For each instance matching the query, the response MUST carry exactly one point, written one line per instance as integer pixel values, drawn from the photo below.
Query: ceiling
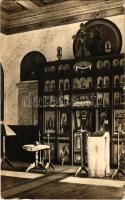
(25, 15)
(14, 6)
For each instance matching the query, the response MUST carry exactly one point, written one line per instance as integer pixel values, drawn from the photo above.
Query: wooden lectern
(98, 155)
(6, 131)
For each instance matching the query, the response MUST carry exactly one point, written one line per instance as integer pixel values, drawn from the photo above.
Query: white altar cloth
(99, 155)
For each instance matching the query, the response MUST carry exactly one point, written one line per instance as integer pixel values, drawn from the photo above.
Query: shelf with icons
(119, 98)
(103, 82)
(74, 88)
(119, 81)
(64, 100)
(50, 86)
(64, 85)
(83, 83)
(50, 69)
(83, 100)
(103, 99)
(118, 64)
(63, 68)
(103, 65)
(50, 101)
(50, 122)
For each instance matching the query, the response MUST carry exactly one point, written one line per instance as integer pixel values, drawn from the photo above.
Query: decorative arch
(32, 65)
(2, 92)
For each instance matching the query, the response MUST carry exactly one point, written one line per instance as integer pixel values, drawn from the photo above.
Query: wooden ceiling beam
(59, 15)
(28, 5)
(53, 14)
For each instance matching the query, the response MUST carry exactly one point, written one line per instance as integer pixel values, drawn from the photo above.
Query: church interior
(62, 99)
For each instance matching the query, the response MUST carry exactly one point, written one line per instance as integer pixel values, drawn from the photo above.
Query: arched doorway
(31, 65)
(31, 71)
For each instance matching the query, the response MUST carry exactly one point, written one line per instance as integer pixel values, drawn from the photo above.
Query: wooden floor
(50, 187)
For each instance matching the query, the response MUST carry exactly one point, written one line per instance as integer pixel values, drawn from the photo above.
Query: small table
(36, 149)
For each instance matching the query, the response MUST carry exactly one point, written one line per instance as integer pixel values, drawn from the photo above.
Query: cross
(81, 37)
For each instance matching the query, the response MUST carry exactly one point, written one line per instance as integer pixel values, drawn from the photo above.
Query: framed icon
(116, 98)
(122, 62)
(122, 80)
(77, 142)
(64, 122)
(50, 119)
(99, 65)
(100, 82)
(116, 81)
(106, 64)
(77, 158)
(63, 152)
(66, 84)
(106, 99)
(115, 63)
(106, 81)
(119, 120)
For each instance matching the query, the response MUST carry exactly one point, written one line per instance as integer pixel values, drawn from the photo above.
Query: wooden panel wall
(25, 134)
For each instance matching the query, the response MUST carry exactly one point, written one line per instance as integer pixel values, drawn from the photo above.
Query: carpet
(94, 181)
(26, 175)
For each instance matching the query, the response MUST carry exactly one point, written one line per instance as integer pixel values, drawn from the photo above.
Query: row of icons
(84, 83)
(106, 64)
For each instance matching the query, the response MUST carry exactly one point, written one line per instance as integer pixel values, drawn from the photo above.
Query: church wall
(46, 41)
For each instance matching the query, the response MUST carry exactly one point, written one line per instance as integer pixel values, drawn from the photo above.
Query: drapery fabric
(99, 155)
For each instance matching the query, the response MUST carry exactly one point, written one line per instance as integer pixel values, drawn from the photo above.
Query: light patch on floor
(72, 170)
(26, 175)
(94, 181)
